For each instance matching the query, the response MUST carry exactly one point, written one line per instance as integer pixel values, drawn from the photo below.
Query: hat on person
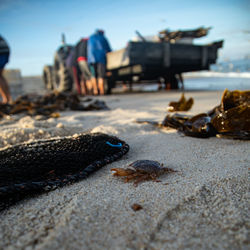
(99, 31)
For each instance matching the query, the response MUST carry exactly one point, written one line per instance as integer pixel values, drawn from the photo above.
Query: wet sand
(202, 206)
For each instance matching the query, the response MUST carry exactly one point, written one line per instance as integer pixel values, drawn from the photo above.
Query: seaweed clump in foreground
(230, 119)
(30, 168)
(48, 104)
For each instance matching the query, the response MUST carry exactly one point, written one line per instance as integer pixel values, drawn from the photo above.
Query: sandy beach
(205, 205)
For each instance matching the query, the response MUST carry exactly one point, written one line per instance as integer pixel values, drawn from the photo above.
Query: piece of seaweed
(182, 105)
(33, 104)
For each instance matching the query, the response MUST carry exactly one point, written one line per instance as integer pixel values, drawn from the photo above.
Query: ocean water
(209, 80)
(240, 65)
(217, 83)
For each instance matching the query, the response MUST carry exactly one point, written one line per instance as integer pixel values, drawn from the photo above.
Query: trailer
(145, 60)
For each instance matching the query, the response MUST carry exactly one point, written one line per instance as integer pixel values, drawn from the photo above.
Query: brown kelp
(230, 119)
(33, 104)
(182, 105)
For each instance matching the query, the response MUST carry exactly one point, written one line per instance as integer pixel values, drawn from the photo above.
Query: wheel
(174, 83)
(63, 77)
(171, 81)
(48, 77)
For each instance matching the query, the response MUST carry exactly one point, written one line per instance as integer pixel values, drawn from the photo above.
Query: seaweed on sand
(230, 119)
(33, 104)
(182, 105)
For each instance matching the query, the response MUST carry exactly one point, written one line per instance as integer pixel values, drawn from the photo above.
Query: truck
(168, 55)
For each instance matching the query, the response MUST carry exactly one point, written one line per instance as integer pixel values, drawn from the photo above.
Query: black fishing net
(47, 164)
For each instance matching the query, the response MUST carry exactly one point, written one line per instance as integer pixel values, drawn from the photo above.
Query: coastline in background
(201, 80)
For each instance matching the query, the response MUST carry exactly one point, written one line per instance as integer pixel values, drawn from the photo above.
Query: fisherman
(4, 58)
(98, 47)
(82, 61)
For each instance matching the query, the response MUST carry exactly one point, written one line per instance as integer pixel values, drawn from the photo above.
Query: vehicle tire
(48, 77)
(63, 77)
(171, 79)
(174, 83)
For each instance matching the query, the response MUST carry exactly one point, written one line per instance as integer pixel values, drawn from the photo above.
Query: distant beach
(192, 81)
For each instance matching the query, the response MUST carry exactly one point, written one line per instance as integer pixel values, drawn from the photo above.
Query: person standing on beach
(72, 67)
(81, 58)
(4, 58)
(98, 47)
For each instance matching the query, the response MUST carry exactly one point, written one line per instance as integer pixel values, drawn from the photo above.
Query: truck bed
(181, 57)
(154, 60)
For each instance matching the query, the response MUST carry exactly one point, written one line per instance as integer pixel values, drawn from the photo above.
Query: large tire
(63, 76)
(48, 77)
(174, 83)
(171, 79)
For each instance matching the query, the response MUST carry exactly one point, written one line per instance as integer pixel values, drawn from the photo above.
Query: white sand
(203, 206)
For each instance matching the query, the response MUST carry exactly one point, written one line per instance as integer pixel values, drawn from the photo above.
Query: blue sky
(33, 28)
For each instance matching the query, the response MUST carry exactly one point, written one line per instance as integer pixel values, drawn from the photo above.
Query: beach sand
(205, 205)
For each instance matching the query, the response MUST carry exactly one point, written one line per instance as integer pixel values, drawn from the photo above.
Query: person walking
(98, 47)
(4, 58)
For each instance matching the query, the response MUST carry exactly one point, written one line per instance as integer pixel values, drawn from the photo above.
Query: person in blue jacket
(98, 47)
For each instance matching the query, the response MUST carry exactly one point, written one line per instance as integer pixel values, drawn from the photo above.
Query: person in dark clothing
(82, 61)
(4, 58)
(98, 47)
(72, 66)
